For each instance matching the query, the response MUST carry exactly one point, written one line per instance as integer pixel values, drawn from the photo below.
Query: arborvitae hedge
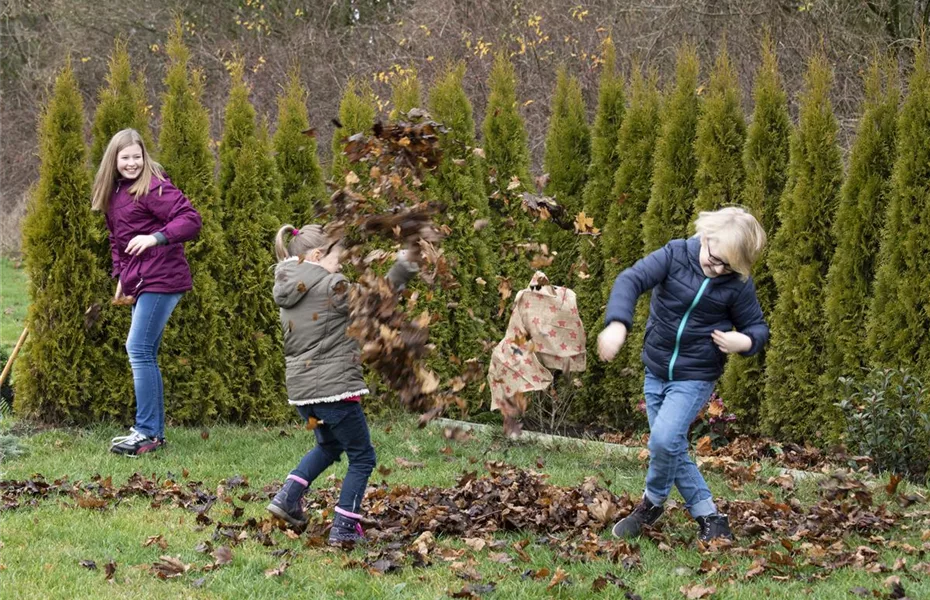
(194, 354)
(250, 193)
(568, 151)
(721, 135)
(597, 199)
(899, 320)
(356, 114)
(508, 155)
(794, 408)
(765, 160)
(668, 214)
(857, 229)
(405, 93)
(122, 104)
(460, 188)
(622, 238)
(55, 373)
(296, 155)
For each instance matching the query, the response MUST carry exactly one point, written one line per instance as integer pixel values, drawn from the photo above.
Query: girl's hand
(610, 340)
(731, 342)
(140, 244)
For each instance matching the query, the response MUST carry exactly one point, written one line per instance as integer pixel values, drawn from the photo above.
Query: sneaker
(346, 529)
(135, 443)
(713, 527)
(286, 503)
(645, 513)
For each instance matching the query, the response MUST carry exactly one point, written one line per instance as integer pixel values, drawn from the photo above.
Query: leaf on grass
(705, 446)
(89, 564)
(167, 567)
(893, 482)
(277, 571)
(473, 590)
(557, 579)
(222, 555)
(205, 434)
(109, 569)
(403, 463)
(697, 590)
(88, 501)
(156, 539)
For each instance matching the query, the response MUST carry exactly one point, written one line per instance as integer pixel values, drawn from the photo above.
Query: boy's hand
(731, 342)
(610, 340)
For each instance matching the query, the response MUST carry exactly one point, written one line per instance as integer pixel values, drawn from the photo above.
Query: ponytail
(291, 241)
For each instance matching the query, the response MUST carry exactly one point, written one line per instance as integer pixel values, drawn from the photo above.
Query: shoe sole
(278, 512)
(139, 451)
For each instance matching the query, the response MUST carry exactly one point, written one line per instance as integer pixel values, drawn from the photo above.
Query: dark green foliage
(597, 199)
(899, 320)
(622, 241)
(721, 135)
(765, 159)
(857, 229)
(887, 415)
(122, 104)
(406, 93)
(250, 192)
(256, 375)
(794, 408)
(54, 374)
(296, 156)
(671, 204)
(194, 352)
(460, 189)
(508, 156)
(356, 114)
(568, 151)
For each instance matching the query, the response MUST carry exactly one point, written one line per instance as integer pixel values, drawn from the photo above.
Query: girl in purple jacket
(148, 220)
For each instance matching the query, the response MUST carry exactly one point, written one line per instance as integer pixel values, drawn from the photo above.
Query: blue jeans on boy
(671, 407)
(149, 315)
(343, 429)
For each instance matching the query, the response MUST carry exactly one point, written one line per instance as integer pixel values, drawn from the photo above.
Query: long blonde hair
(107, 174)
(737, 233)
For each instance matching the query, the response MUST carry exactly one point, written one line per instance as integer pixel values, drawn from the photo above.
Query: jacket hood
(293, 278)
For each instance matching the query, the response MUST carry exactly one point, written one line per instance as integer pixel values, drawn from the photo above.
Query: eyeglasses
(717, 262)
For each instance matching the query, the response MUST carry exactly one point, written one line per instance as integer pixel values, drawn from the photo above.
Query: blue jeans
(343, 429)
(149, 315)
(671, 407)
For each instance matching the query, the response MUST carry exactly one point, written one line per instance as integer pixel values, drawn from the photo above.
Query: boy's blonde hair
(291, 241)
(107, 173)
(738, 237)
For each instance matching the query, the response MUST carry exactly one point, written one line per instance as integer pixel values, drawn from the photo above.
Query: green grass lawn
(43, 544)
(13, 303)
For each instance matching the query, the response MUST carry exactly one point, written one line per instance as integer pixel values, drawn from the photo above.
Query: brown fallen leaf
(167, 567)
(88, 564)
(222, 555)
(156, 539)
(559, 577)
(109, 569)
(408, 464)
(312, 423)
(697, 590)
(277, 571)
(893, 482)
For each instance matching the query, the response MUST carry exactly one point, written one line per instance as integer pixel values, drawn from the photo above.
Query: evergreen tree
(302, 185)
(122, 104)
(765, 160)
(194, 353)
(55, 372)
(605, 159)
(357, 112)
(406, 94)
(668, 213)
(899, 319)
(507, 151)
(250, 192)
(793, 407)
(857, 229)
(568, 151)
(721, 135)
(458, 185)
(622, 240)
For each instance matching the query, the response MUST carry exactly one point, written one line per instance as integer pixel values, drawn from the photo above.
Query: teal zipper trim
(681, 327)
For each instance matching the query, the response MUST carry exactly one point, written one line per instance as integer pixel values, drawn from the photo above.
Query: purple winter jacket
(164, 209)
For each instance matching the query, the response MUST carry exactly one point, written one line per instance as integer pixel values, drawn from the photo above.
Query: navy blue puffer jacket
(685, 309)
